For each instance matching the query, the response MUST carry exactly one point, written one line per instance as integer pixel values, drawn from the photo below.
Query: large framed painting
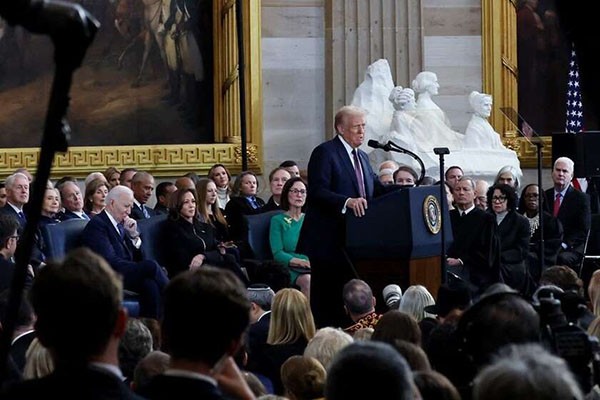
(525, 67)
(158, 90)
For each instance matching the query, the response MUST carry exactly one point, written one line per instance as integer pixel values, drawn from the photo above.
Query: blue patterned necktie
(145, 212)
(22, 218)
(121, 230)
(253, 202)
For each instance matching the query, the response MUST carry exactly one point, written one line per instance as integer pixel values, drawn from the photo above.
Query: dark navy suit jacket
(137, 213)
(331, 181)
(575, 216)
(67, 215)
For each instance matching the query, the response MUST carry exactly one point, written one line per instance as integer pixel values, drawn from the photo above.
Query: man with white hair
(17, 195)
(572, 208)
(114, 235)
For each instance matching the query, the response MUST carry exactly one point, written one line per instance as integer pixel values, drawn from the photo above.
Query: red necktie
(556, 204)
(359, 175)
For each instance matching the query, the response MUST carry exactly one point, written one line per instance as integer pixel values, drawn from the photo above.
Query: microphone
(376, 145)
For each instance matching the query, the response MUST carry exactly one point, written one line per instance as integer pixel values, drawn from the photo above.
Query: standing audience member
(17, 196)
(81, 294)
(114, 235)
(481, 189)
(359, 304)
(285, 232)
(340, 180)
(529, 206)
(572, 208)
(163, 192)
(222, 178)
(513, 232)
(453, 175)
(376, 363)
(201, 357)
(142, 185)
(277, 179)
(153, 364)
(508, 175)
(473, 256)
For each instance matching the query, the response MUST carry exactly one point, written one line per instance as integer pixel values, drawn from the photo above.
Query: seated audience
(414, 301)
(261, 298)
(17, 196)
(142, 185)
(392, 295)
(183, 182)
(303, 378)
(553, 232)
(81, 294)
(508, 175)
(126, 176)
(95, 197)
(526, 371)
(413, 354)
(114, 235)
(192, 243)
(163, 191)
(386, 176)
(292, 167)
(362, 366)
(9, 238)
(222, 178)
(359, 304)
(72, 201)
(285, 232)
(48, 216)
(292, 326)
(92, 176)
(112, 176)
(135, 344)
(244, 202)
(326, 343)
(395, 325)
(277, 179)
(201, 364)
(209, 211)
(153, 364)
(481, 189)
(434, 386)
(513, 231)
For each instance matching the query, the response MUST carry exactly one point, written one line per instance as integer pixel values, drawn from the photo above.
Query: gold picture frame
(176, 159)
(500, 74)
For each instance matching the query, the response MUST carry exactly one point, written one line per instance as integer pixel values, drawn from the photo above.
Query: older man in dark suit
(114, 235)
(17, 195)
(572, 208)
(340, 180)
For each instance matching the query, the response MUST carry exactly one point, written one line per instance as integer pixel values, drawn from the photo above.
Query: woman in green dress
(285, 231)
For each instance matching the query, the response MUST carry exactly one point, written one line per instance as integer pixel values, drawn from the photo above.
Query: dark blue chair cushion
(62, 237)
(153, 243)
(259, 226)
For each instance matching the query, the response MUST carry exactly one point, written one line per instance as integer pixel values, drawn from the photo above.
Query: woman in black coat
(192, 243)
(512, 229)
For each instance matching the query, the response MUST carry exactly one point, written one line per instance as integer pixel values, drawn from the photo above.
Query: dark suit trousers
(328, 278)
(147, 279)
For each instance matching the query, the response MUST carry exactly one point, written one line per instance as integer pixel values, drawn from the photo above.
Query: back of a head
(497, 320)
(326, 343)
(216, 294)
(261, 295)
(563, 277)
(77, 304)
(135, 344)
(303, 377)
(394, 325)
(414, 355)
(526, 372)
(414, 301)
(358, 297)
(362, 366)
(154, 363)
(291, 318)
(434, 386)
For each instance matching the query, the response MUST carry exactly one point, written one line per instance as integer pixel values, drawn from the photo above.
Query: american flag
(574, 121)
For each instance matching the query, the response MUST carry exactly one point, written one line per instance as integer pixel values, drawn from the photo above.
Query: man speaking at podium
(340, 180)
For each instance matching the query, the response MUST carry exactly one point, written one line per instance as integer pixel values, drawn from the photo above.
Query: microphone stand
(72, 30)
(441, 151)
(391, 146)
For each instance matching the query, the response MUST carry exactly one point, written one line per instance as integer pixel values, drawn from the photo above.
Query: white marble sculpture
(479, 133)
(436, 124)
(393, 114)
(372, 95)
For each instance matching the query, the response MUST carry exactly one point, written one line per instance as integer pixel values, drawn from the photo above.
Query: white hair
(326, 343)
(92, 176)
(566, 160)
(10, 181)
(116, 192)
(414, 301)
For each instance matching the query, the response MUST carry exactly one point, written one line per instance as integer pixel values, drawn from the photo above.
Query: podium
(399, 240)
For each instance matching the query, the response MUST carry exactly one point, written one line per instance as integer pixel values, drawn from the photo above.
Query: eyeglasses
(298, 191)
(499, 199)
(16, 237)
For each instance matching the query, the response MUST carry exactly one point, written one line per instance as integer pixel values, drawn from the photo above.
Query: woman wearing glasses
(285, 231)
(529, 205)
(512, 230)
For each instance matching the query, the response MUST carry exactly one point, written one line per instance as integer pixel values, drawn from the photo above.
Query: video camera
(563, 337)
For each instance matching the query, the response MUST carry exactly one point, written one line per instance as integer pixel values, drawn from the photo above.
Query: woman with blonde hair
(292, 326)
(38, 362)
(594, 293)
